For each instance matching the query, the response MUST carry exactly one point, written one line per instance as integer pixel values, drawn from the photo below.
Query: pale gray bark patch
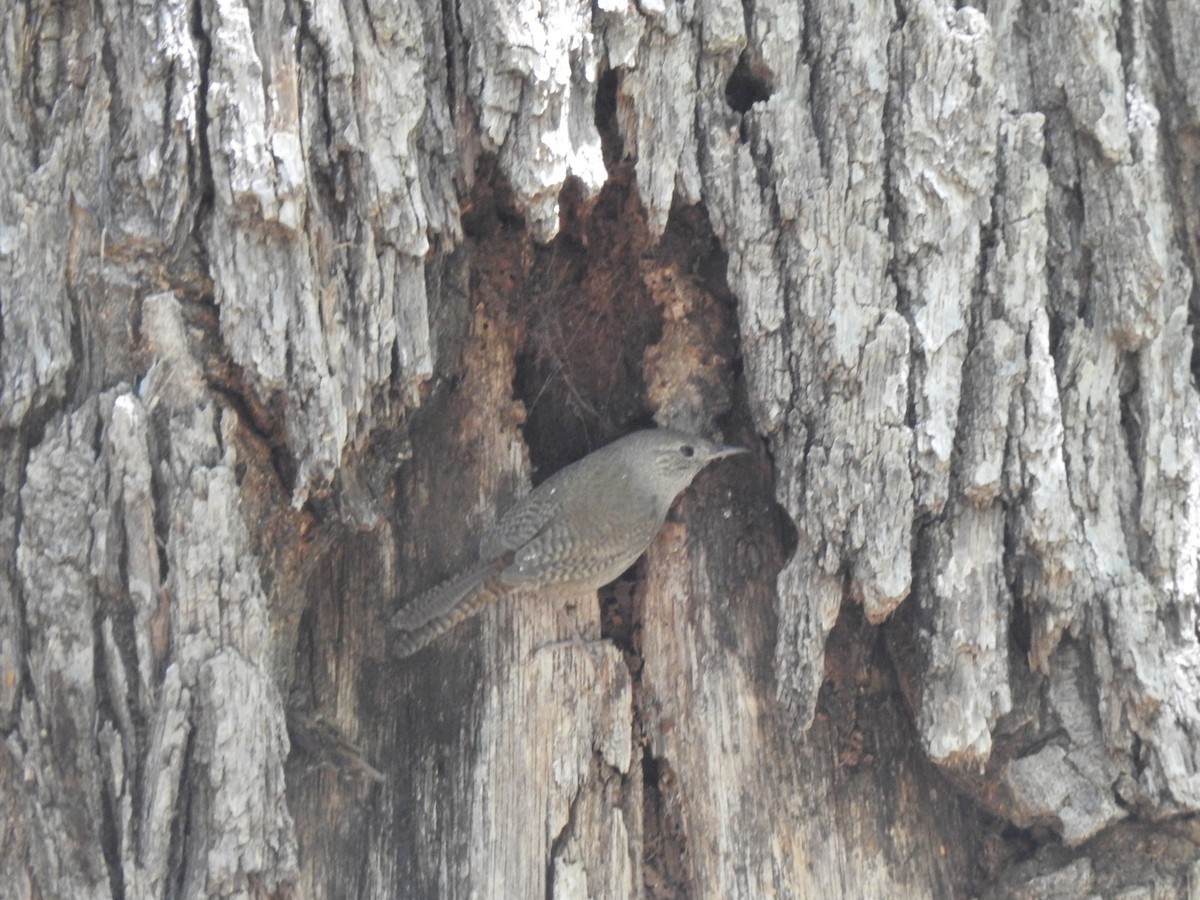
(1067, 784)
(796, 191)
(943, 124)
(544, 794)
(1130, 416)
(650, 45)
(115, 530)
(97, 711)
(319, 306)
(148, 194)
(1040, 518)
(38, 156)
(598, 853)
(748, 793)
(239, 831)
(267, 289)
(965, 595)
(94, 173)
(1182, 29)
(127, 540)
(55, 740)
(1034, 459)
(541, 725)
(11, 650)
(36, 312)
(238, 828)
(530, 75)
(964, 599)
(1085, 37)
(146, 839)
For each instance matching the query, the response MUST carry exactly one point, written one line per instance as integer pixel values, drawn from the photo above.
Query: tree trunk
(296, 296)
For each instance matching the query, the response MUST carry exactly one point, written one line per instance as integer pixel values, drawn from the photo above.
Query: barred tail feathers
(435, 612)
(438, 600)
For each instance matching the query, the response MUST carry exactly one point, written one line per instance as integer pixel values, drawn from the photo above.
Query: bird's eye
(688, 450)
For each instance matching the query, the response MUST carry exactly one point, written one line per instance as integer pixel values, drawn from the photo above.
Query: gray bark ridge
(152, 717)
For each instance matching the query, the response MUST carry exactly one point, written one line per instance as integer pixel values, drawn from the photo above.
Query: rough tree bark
(295, 295)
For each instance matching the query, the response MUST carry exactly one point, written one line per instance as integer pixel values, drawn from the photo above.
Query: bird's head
(673, 458)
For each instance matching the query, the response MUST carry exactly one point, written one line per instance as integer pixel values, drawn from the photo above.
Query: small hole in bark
(611, 145)
(1020, 630)
(750, 83)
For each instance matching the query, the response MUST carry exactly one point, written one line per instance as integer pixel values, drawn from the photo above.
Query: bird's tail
(441, 608)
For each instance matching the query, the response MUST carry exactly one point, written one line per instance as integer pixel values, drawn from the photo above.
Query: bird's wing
(588, 546)
(525, 518)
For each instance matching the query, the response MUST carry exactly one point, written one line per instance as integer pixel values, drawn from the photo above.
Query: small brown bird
(582, 526)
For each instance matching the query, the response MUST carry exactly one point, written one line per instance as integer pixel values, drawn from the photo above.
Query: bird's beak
(722, 452)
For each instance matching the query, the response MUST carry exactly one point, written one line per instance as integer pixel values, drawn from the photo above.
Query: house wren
(582, 527)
